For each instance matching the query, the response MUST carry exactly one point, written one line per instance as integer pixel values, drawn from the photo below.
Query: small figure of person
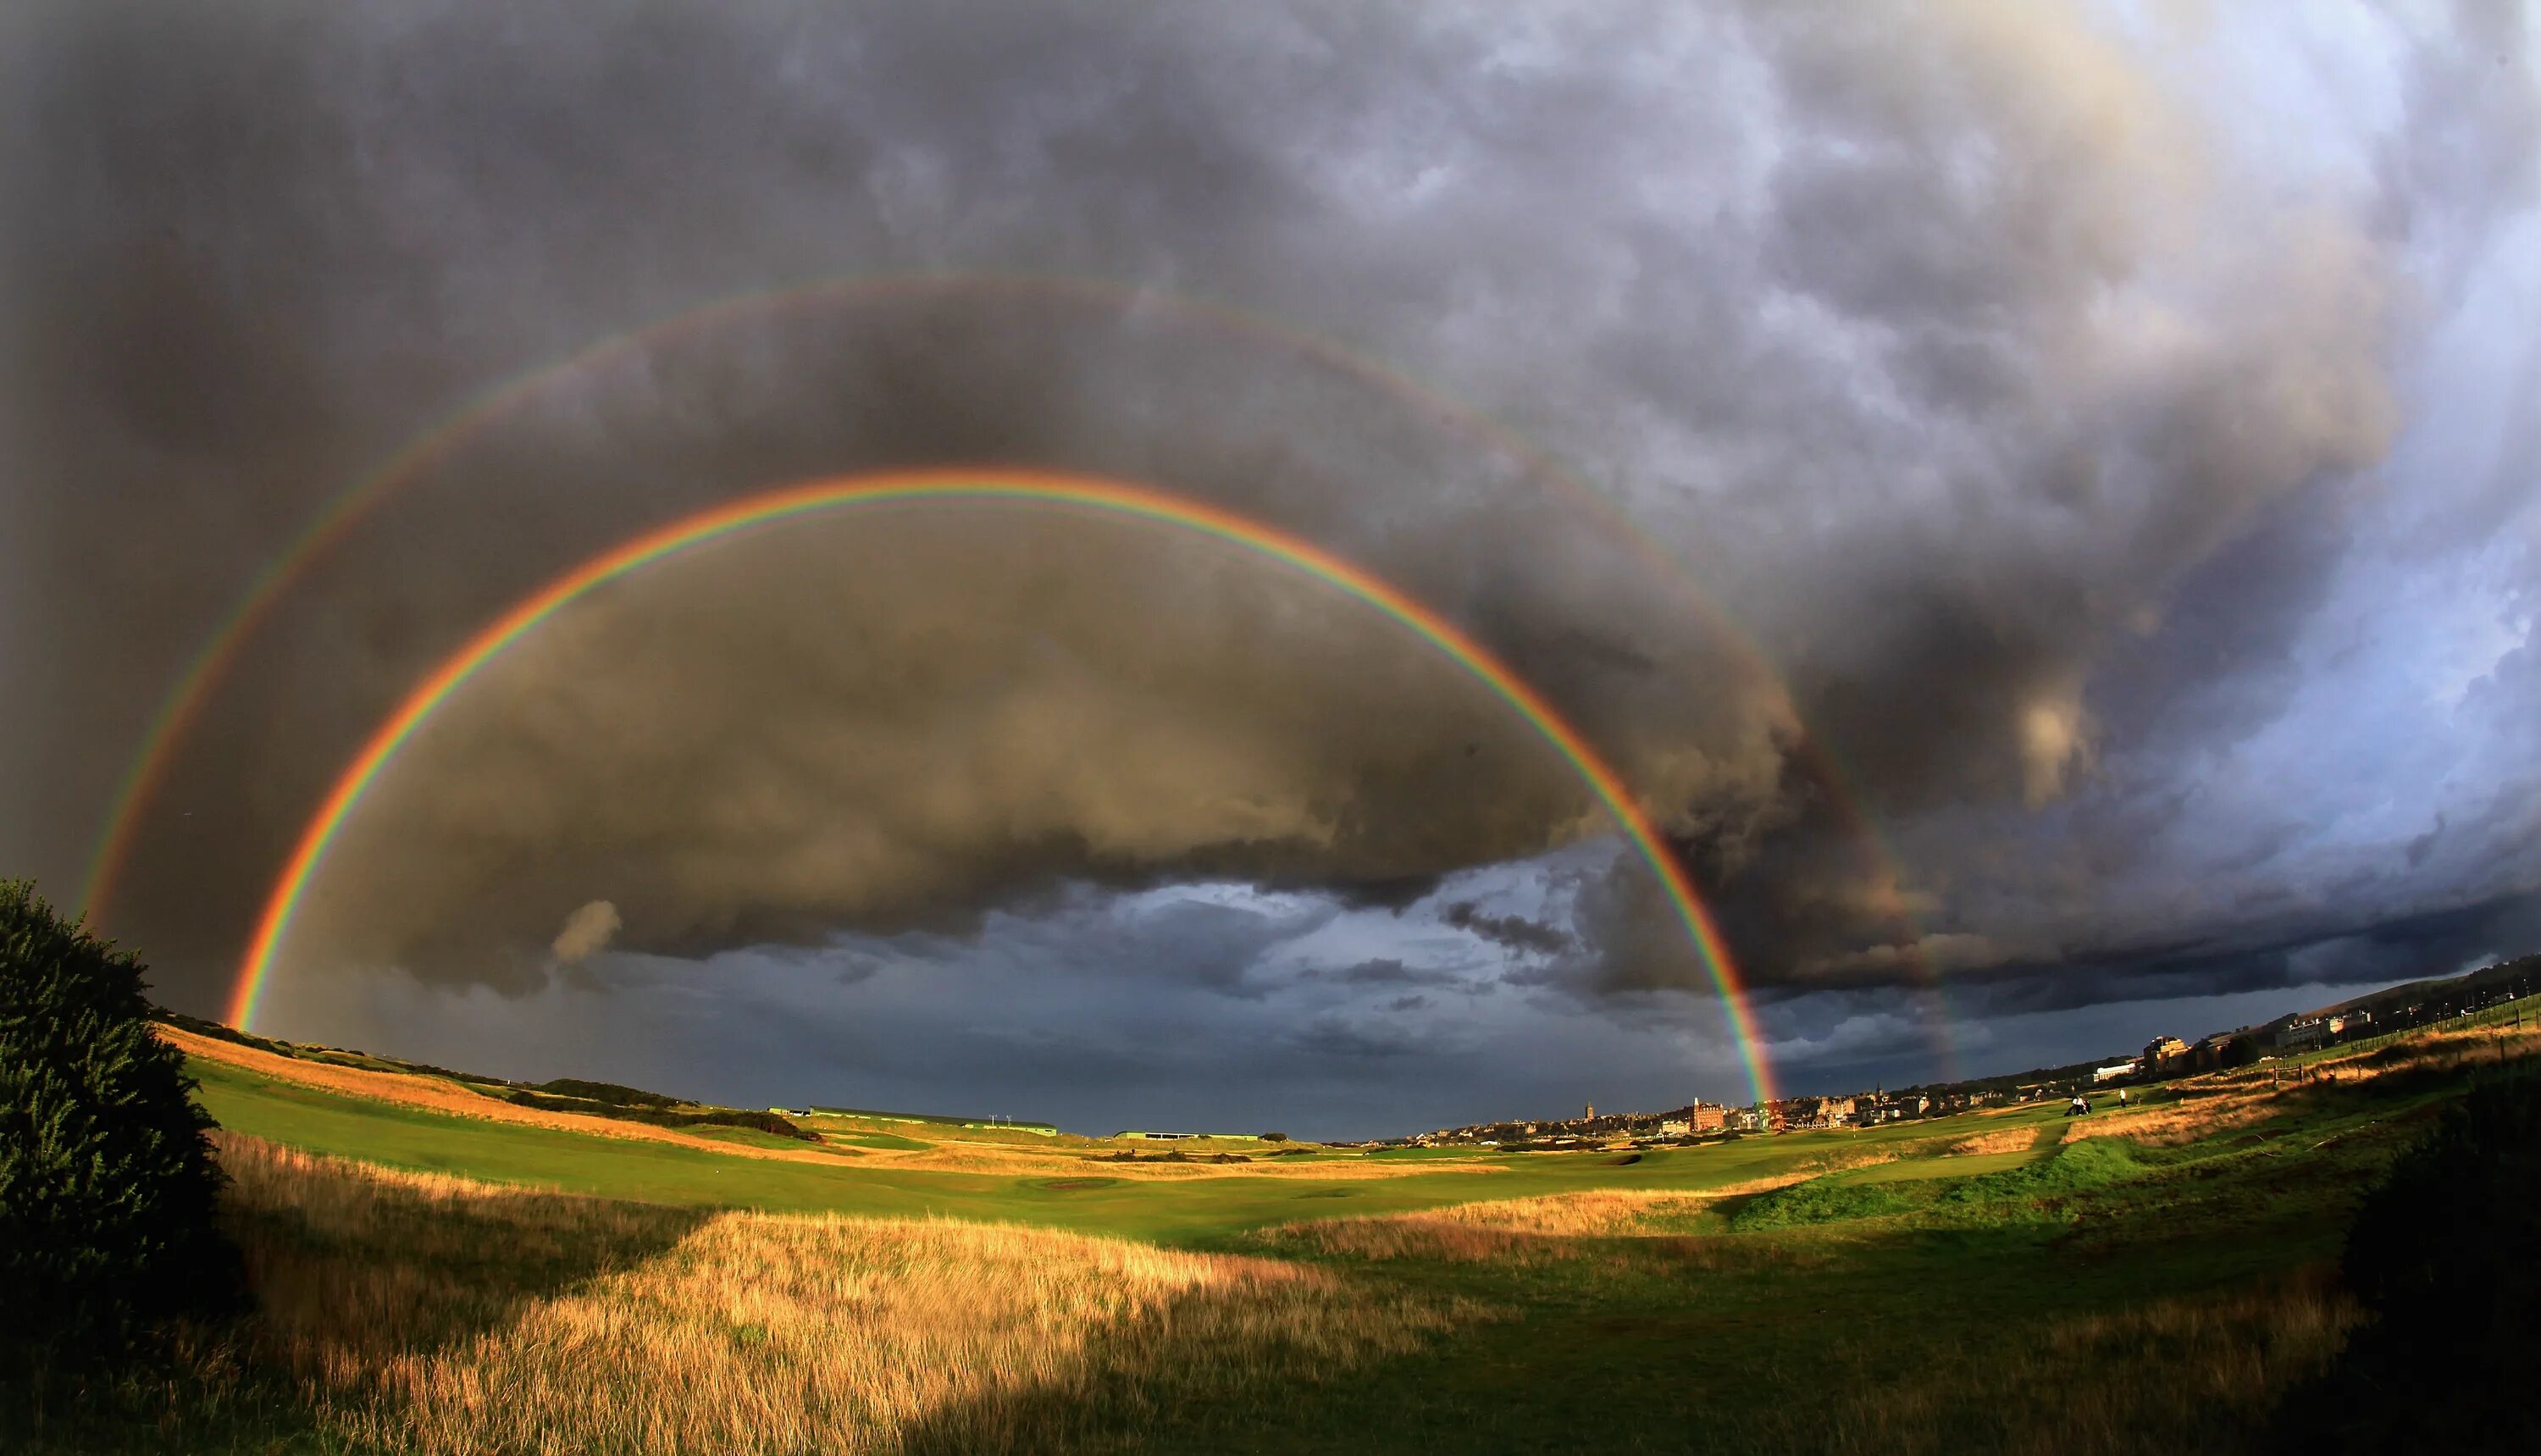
(2122, 1097)
(2077, 1107)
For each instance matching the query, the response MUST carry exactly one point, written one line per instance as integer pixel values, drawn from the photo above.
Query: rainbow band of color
(192, 690)
(1030, 488)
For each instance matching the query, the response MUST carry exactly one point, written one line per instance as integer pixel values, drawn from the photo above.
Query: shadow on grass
(357, 1268)
(1201, 1369)
(1953, 1341)
(349, 1269)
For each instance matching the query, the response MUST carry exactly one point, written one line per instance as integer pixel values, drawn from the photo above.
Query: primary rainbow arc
(189, 695)
(1010, 488)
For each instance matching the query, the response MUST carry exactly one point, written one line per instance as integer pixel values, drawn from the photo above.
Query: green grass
(753, 1138)
(1915, 1170)
(2012, 1310)
(1210, 1212)
(1195, 1212)
(1831, 1200)
(1939, 1303)
(891, 1142)
(2095, 1162)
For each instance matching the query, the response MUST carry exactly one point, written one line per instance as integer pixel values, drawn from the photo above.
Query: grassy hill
(2142, 1281)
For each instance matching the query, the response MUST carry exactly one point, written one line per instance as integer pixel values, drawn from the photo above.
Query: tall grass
(2194, 1373)
(435, 1315)
(1516, 1230)
(2001, 1141)
(2176, 1123)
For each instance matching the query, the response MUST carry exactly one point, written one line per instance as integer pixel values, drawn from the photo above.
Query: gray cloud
(1384, 971)
(1515, 931)
(2080, 461)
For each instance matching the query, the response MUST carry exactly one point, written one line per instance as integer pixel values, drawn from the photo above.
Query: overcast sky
(2038, 501)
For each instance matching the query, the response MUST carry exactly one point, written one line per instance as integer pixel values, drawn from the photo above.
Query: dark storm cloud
(1384, 971)
(2431, 942)
(1515, 931)
(444, 167)
(2031, 409)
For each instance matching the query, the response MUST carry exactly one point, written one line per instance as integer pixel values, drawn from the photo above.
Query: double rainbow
(1008, 487)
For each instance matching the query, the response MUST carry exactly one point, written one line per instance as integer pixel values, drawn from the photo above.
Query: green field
(1864, 1290)
(1206, 1212)
(1918, 1168)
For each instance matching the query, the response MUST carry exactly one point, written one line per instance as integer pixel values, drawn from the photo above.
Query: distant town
(2383, 1013)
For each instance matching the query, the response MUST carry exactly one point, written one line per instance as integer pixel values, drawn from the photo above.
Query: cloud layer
(2050, 501)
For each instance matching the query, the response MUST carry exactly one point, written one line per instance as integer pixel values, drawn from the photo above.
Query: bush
(2445, 1257)
(108, 1188)
(609, 1092)
(1826, 1200)
(718, 1117)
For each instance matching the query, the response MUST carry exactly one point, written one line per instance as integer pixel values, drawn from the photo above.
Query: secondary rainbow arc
(192, 690)
(1032, 488)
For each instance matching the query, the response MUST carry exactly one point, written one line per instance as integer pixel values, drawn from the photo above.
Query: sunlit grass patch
(1521, 1231)
(433, 1314)
(1944, 1185)
(2001, 1141)
(2204, 1113)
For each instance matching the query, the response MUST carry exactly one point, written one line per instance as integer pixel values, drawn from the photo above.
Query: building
(2113, 1072)
(1692, 1119)
(2308, 1033)
(2206, 1054)
(2163, 1052)
(1836, 1112)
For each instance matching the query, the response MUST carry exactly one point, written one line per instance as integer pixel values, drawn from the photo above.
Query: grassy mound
(1835, 1198)
(1828, 1199)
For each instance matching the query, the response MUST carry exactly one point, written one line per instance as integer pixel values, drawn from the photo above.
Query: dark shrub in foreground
(2446, 1258)
(108, 1188)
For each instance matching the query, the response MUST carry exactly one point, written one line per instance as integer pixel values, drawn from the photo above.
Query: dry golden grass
(435, 1315)
(2007, 1140)
(1519, 1230)
(1021, 1162)
(2177, 1374)
(2172, 1124)
(2440, 1049)
(1594, 1214)
(437, 1095)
